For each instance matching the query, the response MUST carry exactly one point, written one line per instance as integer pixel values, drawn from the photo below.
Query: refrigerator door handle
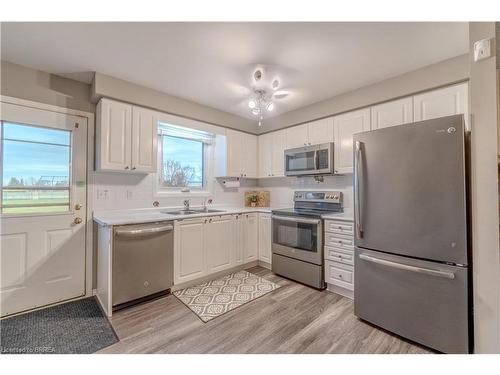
(426, 271)
(357, 166)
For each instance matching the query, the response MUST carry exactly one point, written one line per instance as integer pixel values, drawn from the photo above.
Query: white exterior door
(43, 207)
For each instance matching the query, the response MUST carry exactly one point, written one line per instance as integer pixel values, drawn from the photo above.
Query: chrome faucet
(186, 204)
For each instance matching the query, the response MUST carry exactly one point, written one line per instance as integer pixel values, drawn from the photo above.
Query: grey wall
(440, 74)
(118, 89)
(30, 84)
(484, 195)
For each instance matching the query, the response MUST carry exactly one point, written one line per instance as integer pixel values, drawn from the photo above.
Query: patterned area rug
(214, 298)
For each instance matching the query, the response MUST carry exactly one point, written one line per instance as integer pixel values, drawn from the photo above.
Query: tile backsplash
(124, 191)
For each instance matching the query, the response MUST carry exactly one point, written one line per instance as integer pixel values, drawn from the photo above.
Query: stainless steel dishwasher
(142, 262)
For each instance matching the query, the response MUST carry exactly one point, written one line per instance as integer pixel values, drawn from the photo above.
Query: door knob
(78, 206)
(78, 220)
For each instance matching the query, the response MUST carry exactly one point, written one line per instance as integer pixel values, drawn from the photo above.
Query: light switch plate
(482, 49)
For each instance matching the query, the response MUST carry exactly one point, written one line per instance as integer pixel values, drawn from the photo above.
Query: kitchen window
(35, 169)
(184, 159)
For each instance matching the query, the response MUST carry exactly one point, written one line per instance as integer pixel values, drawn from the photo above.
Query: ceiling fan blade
(280, 94)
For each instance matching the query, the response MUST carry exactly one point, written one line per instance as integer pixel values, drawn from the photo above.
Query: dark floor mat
(77, 327)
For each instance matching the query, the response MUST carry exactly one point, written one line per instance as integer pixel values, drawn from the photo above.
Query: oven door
(298, 238)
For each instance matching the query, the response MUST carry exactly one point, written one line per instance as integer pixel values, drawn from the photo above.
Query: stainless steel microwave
(309, 160)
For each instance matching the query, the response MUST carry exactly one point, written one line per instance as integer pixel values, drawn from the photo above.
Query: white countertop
(148, 215)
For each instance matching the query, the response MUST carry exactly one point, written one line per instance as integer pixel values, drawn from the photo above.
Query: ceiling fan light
(270, 106)
(255, 111)
(275, 84)
(251, 104)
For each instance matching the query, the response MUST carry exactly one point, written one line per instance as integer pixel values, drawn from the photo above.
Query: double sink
(191, 211)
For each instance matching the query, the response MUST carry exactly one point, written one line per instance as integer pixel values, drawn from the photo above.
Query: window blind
(186, 133)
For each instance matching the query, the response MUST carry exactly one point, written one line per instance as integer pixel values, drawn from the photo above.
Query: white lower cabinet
(218, 240)
(204, 246)
(249, 237)
(265, 237)
(189, 254)
(339, 257)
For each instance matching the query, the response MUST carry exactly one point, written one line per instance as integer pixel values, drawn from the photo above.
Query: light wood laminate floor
(291, 319)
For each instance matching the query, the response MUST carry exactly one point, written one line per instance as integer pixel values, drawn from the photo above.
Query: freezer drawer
(423, 301)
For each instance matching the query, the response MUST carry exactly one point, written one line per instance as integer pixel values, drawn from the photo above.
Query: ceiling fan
(265, 91)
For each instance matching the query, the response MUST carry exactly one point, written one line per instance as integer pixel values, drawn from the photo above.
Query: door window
(36, 164)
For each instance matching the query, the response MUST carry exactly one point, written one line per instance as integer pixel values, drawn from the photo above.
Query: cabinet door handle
(127, 167)
(133, 168)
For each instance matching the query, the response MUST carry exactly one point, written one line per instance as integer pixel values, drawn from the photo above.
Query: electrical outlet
(130, 194)
(482, 49)
(102, 194)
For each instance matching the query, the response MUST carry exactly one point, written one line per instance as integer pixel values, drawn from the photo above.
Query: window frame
(207, 173)
(69, 188)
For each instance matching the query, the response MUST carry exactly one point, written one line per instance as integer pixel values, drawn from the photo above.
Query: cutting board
(264, 198)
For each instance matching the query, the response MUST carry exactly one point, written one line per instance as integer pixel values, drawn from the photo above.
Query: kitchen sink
(191, 212)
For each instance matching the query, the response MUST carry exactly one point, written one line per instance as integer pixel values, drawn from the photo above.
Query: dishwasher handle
(143, 231)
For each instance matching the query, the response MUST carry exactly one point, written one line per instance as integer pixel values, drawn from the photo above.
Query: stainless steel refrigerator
(412, 258)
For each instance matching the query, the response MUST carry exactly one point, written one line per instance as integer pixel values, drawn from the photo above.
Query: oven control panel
(318, 196)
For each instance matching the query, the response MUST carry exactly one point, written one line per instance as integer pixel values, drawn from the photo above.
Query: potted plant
(252, 199)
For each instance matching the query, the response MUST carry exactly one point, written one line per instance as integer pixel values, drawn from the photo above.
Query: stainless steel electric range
(297, 238)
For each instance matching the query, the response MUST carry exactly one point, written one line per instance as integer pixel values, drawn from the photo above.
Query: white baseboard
(265, 264)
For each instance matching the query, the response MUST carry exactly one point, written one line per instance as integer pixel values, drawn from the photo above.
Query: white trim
(90, 180)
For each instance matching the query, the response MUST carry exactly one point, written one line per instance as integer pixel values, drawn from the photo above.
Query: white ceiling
(212, 63)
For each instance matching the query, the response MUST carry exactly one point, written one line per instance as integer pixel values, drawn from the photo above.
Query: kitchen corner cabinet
(241, 155)
(265, 237)
(396, 112)
(345, 126)
(451, 100)
(126, 138)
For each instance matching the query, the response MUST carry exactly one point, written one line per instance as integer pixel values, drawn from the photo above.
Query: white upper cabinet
(278, 146)
(271, 154)
(297, 136)
(396, 112)
(114, 136)
(265, 155)
(345, 125)
(126, 138)
(144, 140)
(320, 131)
(241, 156)
(447, 101)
